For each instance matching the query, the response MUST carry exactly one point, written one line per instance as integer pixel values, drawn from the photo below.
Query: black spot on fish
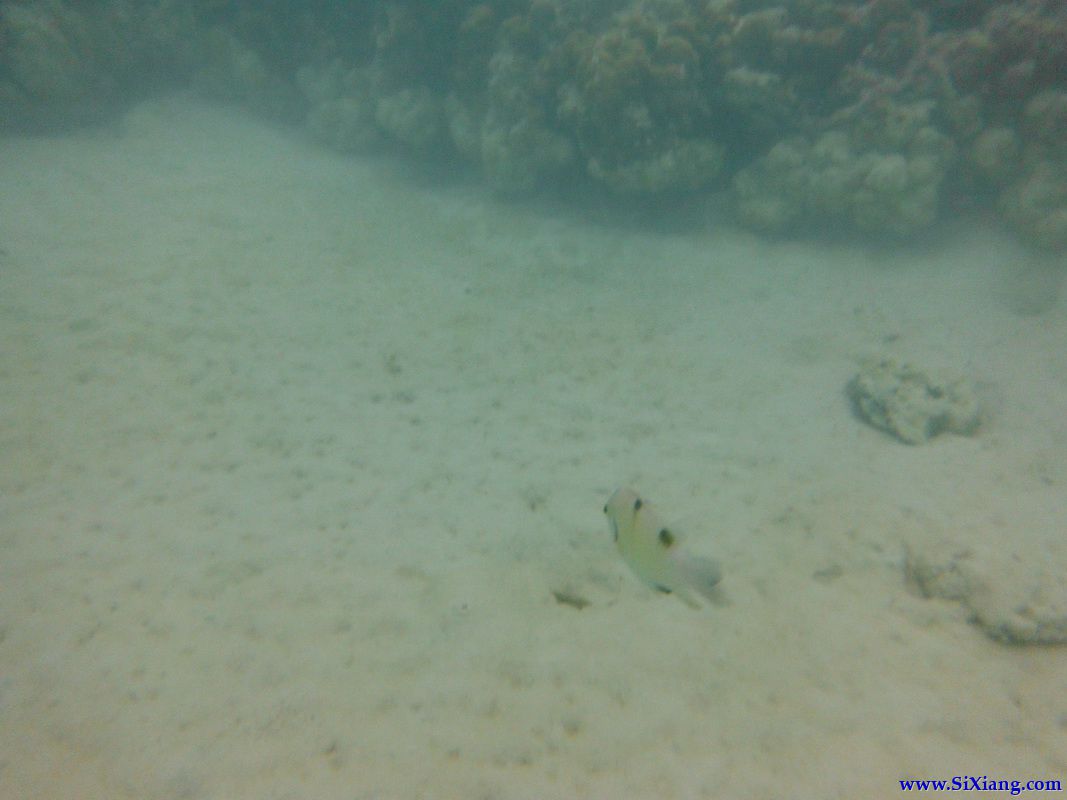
(664, 589)
(568, 598)
(666, 538)
(638, 504)
(605, 508)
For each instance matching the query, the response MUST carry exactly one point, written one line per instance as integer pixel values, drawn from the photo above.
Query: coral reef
(1036, 205)
(636, 103)
(341, 107)
(63, 63)
(232, 71)
(502, 110)
(870, 115)
(414, 117)
(1011, 69)
(881, 178)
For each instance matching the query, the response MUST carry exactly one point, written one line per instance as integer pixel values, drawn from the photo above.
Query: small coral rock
(912, 404)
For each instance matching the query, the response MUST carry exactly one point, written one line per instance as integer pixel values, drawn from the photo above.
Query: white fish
(654, 553)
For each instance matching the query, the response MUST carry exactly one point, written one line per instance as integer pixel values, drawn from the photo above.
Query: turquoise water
(327, 331)
(296, 472)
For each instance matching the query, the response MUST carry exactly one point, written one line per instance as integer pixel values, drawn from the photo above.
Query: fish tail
(701, 574)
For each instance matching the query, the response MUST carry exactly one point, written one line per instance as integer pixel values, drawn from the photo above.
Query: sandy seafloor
(296, 448)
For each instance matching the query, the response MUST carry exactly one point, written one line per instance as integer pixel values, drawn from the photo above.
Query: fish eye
(637, 504)
(666, 538)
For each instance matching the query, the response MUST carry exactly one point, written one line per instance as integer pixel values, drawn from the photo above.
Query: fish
(654, 552)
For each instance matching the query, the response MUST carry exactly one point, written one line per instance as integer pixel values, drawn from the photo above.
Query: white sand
(295, 450)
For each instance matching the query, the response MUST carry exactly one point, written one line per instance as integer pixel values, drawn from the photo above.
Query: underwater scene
(532, 399)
